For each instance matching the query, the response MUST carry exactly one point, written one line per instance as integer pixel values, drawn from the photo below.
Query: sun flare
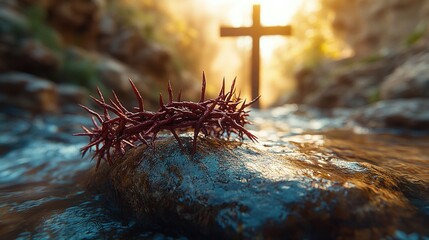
(233, 56)
(273, 13)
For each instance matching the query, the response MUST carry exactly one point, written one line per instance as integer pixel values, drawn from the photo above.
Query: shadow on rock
(235, 190)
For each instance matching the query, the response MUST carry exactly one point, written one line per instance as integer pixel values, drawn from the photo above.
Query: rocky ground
(389, 91)
(303, 186)
(64, 47)
(354, 167)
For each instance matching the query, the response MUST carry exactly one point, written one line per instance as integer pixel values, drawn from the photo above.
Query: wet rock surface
(411, 114)
(28, 92)
(235, 190)
(410, 80)
(307, 178)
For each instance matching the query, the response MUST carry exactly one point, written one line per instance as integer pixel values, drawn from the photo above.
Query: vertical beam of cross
(256, 31)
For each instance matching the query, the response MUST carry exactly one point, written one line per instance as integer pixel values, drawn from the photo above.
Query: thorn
(179, 97)
(170, 93)
(138, 96)
(233, 85)
(178, 140)
(119, 102)
(243, 106)
(203, 88)
(161, 102)
(116, 106)
(91, 112)
(100, 94)
(254, 100)
(194, 143)
(222, 89)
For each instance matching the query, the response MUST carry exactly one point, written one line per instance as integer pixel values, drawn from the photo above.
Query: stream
(43, 178)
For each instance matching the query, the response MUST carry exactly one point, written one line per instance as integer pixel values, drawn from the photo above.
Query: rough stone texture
(369, 26)
(77, 21)
(28, 92)
(33, 57)
(352, 87)
(18, 51)
(70, 96)
(89, 25)
(91, 43)
(128, 46)
(396, 114)
(233, 190)
(357, 82)
(307, 83)
(116, 75)
(410, 80)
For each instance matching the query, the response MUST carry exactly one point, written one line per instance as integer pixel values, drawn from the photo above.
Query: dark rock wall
(82, 43)
(370, 26)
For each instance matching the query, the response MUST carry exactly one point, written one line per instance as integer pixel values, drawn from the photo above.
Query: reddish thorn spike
(161, 102)
(170, 93)
(219, 122)
(179, 97)
(137, 94)
(119, 102)
(91, 112)
(243, 106)
(194, 143)
(177, 139)
(254, 100)
(94, 121)
(222, 89)
(129, 129)
(203, 88)
(103, 105)
(233, 86)
(117, 108)
(100, 94)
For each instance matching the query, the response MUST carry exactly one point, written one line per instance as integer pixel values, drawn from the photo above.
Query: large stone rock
(70, 96)
(410, 80)
(396, 114)
(360, 22)
(115, 75)
(234, 190)
(28, 92)
(352, 86)
(357, 82)
(34, 57)
(77, 21)
(19, 51)
(129, 46)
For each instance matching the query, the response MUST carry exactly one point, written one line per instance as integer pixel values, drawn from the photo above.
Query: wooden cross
(256, 31)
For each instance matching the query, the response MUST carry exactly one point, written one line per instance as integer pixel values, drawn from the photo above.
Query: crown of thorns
(117, 128)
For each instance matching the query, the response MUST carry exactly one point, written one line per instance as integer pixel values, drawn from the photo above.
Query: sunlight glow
(236, 51)
(273, 13)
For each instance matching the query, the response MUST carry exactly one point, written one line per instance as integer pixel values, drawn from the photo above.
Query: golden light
(232, 59)
(273, 13)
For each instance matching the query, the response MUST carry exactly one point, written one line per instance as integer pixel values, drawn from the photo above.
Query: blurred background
(347, 90)
(341, 53)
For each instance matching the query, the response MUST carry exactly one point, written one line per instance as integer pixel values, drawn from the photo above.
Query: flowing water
(43, 178)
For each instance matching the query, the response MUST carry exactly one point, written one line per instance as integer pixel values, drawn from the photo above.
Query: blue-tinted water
(43, 179)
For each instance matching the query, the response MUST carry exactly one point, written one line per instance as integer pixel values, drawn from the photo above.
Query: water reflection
(43, 178)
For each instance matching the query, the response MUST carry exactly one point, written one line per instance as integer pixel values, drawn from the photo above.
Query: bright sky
(236, 51)
(273, 12)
